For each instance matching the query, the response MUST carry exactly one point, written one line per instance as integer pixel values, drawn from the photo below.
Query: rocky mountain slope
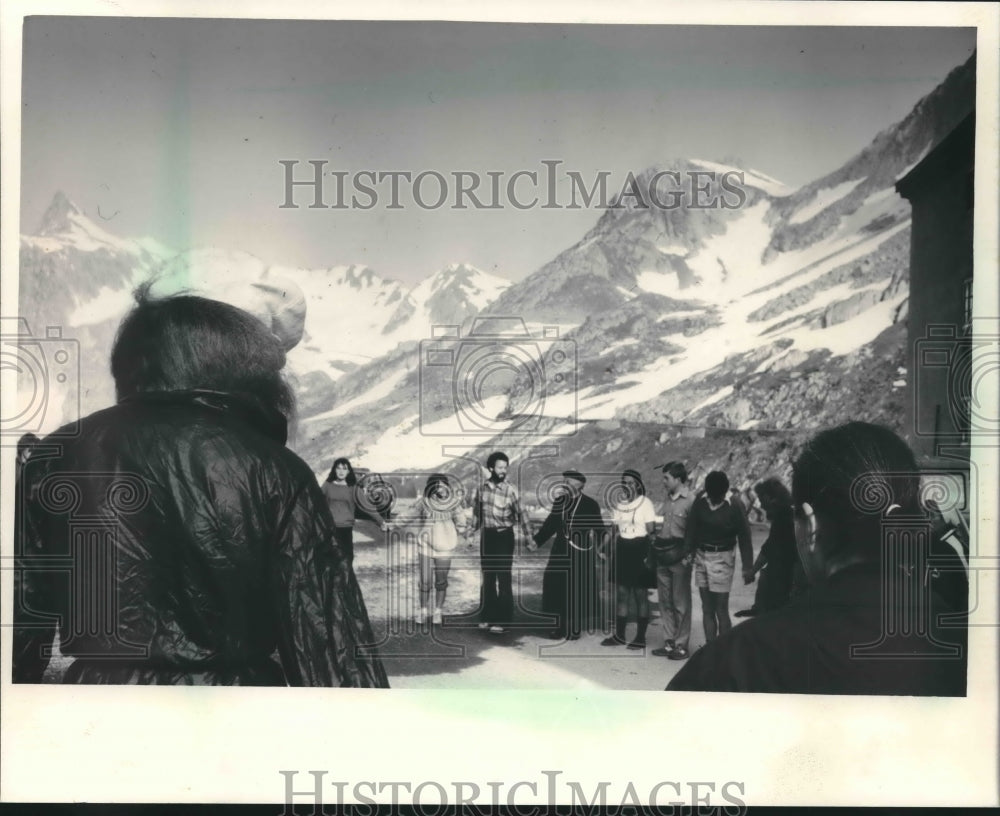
(782, 315)
(720, 335)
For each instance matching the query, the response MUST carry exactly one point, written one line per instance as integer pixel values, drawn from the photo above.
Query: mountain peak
(454, 271)
(58, 216)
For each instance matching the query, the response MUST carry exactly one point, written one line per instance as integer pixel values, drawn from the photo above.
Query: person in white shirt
(633, 518)
(440, 520)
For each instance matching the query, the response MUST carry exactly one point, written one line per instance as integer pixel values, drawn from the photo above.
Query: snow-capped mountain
(449, 297)
(80, 265)
(76, 280)
(783, 315)
(80, 277)
(775, 314)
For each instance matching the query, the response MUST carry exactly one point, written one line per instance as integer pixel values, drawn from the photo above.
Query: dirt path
(457, 654)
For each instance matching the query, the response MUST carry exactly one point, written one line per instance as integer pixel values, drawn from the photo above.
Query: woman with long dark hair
(777, 562)
(213, 558)
(342, 493)
(440, 520)
(633, 518)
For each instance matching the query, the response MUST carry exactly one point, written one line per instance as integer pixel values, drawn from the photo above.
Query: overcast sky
(175, 128)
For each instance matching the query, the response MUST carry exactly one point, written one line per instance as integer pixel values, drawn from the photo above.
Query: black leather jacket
(175, 539)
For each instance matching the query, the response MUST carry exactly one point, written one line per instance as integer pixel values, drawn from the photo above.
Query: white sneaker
(421, 615)
(437, 616)
(483, 625)
(496, 629)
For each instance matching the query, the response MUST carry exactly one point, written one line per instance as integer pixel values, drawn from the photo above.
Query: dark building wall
(940, 190)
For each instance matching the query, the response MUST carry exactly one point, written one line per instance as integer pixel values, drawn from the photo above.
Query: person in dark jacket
(778, 560)
(175, 539)
(870, 621)
(569, 584)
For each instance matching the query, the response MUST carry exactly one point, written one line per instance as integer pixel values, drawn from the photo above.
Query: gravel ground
(456, 654)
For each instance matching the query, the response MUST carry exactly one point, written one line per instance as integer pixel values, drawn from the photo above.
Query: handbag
(665, 552)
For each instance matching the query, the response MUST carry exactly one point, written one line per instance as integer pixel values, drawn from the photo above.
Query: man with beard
(569, 585)
(495, 511)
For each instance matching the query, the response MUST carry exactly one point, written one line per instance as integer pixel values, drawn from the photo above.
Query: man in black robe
(569, 585)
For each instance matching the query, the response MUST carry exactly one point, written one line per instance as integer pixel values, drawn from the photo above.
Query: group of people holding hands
(631, 544)
(173, 538)
(834, 611)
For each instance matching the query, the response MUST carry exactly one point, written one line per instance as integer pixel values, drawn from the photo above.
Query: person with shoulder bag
(671, 559)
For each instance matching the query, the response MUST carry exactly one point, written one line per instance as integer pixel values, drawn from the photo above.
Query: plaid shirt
(495, 506)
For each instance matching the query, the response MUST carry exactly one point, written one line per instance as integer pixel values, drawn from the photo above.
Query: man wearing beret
(569, 585)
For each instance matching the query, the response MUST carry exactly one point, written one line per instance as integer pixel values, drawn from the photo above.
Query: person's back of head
(185, 342)
(716, 486)
(773, 491)
(846, 479)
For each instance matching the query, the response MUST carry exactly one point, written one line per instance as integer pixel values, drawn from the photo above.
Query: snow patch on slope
(822, 200)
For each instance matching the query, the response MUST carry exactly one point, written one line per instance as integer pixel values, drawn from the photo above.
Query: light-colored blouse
(631, 518)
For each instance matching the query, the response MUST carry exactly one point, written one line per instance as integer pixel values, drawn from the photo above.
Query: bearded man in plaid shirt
(496, 511)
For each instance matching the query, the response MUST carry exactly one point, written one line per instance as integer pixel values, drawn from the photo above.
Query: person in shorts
(876, 618)
(716, 524)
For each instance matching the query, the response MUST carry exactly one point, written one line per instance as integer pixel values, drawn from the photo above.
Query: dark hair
(433, 481)
(351, 478)
(676, 469)
(716, 485)
(27, 442)
(634, 474)
(186, 342)
(773, 489)
(850, 475)
(496, 456)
